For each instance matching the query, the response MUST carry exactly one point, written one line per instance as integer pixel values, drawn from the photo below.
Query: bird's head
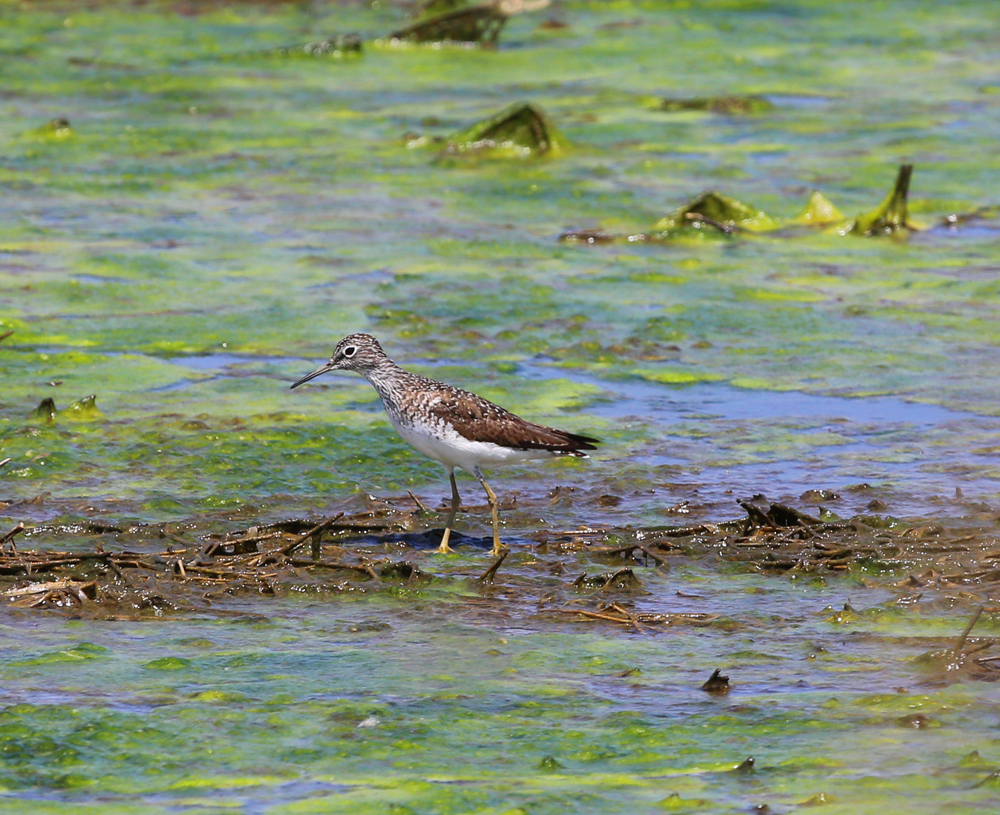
(356, 352)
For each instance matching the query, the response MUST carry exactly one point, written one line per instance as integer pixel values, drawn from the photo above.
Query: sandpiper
(451, 425)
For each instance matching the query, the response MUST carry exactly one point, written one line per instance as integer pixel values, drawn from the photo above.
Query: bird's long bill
(318, 372)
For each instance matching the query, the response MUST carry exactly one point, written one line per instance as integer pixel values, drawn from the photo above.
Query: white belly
(454, 450)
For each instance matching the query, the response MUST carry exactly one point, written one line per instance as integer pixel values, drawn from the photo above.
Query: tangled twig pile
(553, 573)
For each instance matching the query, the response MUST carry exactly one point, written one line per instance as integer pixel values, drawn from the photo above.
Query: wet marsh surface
(214, 214)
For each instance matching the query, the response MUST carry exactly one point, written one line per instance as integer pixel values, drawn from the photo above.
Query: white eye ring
(350, 351)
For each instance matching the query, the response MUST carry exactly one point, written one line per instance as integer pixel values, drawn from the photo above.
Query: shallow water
(458, 702)
(211, 227)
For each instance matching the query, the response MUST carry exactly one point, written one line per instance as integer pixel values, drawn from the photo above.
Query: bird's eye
(350, 351)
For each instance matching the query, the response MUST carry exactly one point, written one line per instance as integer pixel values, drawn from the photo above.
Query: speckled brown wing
(478, 419)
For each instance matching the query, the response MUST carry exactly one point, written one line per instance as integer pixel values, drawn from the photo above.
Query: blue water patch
(216, 362)
(99, 280)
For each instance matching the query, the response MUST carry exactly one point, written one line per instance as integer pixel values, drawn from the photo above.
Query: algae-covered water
(212, 216)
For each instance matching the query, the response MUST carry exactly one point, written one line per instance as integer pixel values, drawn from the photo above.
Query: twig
(490, 573)
(5, 461)
(178, 539)
(208, 550)
(689, 531)
(960, 644)
(616, 550)
(364, 568)
(940, 550)
(36, 588)
(757, 516)
(628, 615)
(647, 553)
(984, 660)
(627, 549)
(56, 559)
(416, 501)
(667, 618)
(263, 536)
(6, 334)
(725, 229)
(580, 532)
(202, 570)
(295, 544)
(9, 537)
(597, 615)
(970, 576)
(211, 549)
(834, 554)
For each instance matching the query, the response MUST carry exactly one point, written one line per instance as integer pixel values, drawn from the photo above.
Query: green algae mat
(221, 596)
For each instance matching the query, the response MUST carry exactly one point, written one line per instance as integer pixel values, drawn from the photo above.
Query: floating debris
(83, 410)
(53, 594)
(819, 496)
(46, 411)
(8, 537)
(59, 128)
(888, 217)
(617, 613)
(917, 721)
(174, 579)
(959, 219)
(154, 570)
(718, 211)
(713, 213)
(716, 683)
(728, 105)
(491, 573)
(964, 660)
(336, 47)
(591, 236)
(473, 25)
(56, 130)
(819, 799)
(819, 211)
(520, 130)
(622, 580)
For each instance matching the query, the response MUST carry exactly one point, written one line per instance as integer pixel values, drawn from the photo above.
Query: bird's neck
(385, 378)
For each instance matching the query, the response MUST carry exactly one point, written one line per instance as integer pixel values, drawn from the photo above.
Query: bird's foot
(444, 548)
(498, 548)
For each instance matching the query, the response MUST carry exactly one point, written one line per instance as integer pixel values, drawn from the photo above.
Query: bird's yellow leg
(491, 497)
(444, 548)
